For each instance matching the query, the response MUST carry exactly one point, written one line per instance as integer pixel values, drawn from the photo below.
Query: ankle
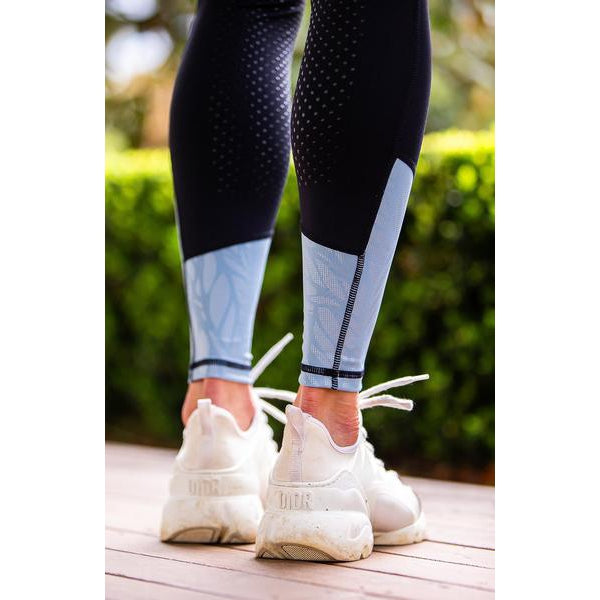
(232, 396)
(337, 410)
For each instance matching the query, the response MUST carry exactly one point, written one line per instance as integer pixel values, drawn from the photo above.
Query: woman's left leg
(230, 150)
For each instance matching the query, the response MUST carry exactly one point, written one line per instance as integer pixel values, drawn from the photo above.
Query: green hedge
(437, 314)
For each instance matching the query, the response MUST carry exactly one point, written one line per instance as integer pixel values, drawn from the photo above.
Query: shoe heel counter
(210, 441)
(288, 465)
(306, 452)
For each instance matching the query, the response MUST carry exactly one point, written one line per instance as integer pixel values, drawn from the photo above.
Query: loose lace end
(271, 354)
(393, 383)
(366, 399)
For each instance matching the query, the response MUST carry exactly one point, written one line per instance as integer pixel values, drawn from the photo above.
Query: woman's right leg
(357, 125)
(229, 141)
(358, 119)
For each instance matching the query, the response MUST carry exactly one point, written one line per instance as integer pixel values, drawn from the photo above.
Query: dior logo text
(294, 500)
(204, 487)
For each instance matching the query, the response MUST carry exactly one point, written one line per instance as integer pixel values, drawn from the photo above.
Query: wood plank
(233, 557)
(427, 551)
(250, 578)
(128, 515)
(125, 588)
(446, 534)
(469, 490)
(217, 581)
(441, 552)
(132, 456)
(432, 551)
(118, 450)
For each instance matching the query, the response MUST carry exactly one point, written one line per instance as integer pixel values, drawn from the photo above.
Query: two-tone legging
(356, 127)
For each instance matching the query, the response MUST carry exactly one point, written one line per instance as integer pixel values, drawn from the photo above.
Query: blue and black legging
(356, 127)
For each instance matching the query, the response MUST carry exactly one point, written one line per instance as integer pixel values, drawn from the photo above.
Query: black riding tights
(358, 117)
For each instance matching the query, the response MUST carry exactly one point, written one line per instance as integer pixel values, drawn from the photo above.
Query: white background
(52, 296)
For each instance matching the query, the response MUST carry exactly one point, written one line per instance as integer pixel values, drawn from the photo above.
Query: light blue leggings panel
(222, 289)
(343, 293)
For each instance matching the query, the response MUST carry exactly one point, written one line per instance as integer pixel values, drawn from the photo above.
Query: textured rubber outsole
(211, 519)
(320, 536)
(298, 552)
(407, 535)
(209, 535)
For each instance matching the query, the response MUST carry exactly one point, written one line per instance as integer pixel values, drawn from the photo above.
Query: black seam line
(331, 372)
(219, 361)
(360, 261)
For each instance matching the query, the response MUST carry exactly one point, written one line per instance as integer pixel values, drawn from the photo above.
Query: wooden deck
(456, 562)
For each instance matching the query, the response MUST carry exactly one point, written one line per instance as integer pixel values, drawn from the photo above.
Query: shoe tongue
(204, 415)
(293, 412)
(295, 417)
(213, 418)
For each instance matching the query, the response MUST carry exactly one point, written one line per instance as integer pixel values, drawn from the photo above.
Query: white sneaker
(327, 502)
(220, 476)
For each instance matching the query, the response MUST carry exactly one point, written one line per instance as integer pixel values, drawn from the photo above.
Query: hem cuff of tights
(219, 372)
(344, 384)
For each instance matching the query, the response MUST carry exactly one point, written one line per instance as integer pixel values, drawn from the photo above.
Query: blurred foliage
(462, 34)
(437, 314)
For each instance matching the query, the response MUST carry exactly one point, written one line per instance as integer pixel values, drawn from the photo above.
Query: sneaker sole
(407, 535)
(319, 536)
(211, 519)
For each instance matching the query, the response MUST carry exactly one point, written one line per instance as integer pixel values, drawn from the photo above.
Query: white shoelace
(366, 398)
(270, 355)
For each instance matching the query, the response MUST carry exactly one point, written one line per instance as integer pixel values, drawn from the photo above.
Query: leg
(229, 140)
(357, 125)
